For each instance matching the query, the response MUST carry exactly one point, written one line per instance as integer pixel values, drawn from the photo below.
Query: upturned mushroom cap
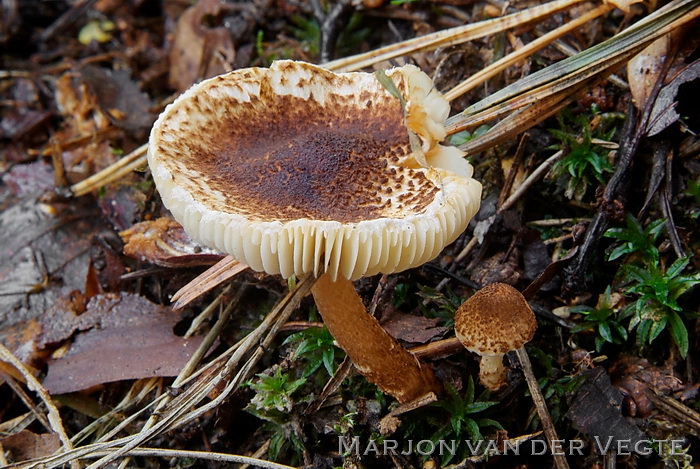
(298, 170)
(495, 320)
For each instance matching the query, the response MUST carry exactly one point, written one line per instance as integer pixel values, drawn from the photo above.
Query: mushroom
(295, 170)
(492, 322)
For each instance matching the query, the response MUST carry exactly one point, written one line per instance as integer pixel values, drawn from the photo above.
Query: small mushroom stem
(492, 373)
(375, 353)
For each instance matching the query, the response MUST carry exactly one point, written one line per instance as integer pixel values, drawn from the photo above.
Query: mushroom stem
(375, 353)
(492, 373)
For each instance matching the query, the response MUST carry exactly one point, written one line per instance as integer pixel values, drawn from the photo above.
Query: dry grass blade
(510, 59)
(581, 66)
(210, 278)
(448, 37)
(183, 408)
(33, 384)
(210, 456)
(545, 92)
(121, 168)
(523, 119)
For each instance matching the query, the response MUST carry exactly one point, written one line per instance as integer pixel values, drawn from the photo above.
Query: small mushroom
(295, 170)
(492, 322)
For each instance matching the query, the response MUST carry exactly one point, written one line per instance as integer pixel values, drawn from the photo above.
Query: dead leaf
(623, 5)
(132, 339)
(164, 242)
(634, 375)
(644, 68)
(596, 412)
(26, 445)
(198, 51)
(664, 112)
(119, 97)
(412, 328)
(43, 254)
(29, 179)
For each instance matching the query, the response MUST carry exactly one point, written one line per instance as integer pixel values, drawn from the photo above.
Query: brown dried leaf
(164, 242)
(26, 445)
(644, 68)
(412, 328)
(119, 97)
(197, 51)
(133, 339)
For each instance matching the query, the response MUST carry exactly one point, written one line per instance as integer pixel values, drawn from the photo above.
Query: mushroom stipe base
(375, 353)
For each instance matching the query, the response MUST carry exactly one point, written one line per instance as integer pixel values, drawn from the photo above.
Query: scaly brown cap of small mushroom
(300, 171)
(491, 323)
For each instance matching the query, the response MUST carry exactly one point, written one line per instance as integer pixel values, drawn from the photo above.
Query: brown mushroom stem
(492, 372)
(375, 353)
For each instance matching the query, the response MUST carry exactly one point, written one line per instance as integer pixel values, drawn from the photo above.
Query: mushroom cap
(297, 170)
(495, 320)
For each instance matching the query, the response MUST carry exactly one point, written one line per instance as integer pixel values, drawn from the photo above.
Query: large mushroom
(492, 322)
(300, 171)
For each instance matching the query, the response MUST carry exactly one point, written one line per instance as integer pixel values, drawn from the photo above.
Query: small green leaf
(679, 332)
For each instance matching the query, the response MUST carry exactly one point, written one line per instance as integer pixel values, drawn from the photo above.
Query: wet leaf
(132, 338)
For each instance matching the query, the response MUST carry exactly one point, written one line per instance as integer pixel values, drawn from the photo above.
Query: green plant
(316, 348)
(603, 319)
(274, 391)
(273, 403)
(308, 32)
(636, 239)
(656, 305)
(557, 385)
(460, 138)
(585, 159)
(462, 422)
(446, 302)
(693, 191)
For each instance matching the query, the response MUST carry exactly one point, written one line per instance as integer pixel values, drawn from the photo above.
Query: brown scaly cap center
(284, 157)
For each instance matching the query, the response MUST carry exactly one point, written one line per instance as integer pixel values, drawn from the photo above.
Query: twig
(541, 406)
(635, 126)
(332, 23)
(215, 275)
(331, 386)
(666, 196)
(111, 173)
